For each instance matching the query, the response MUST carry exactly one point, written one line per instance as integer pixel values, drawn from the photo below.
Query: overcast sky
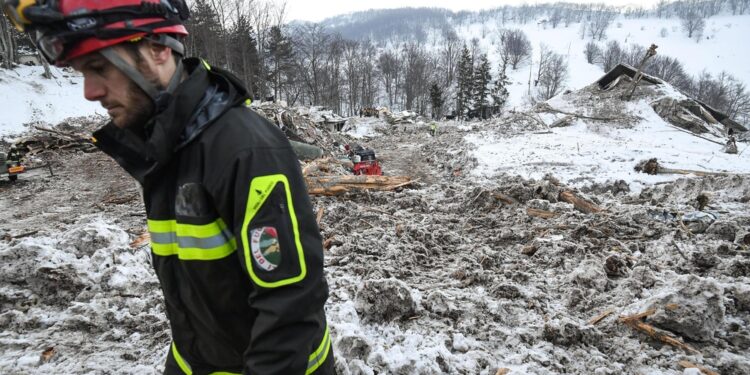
(317, 10)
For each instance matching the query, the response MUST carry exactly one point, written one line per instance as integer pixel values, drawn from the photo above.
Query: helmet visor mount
(51, 46)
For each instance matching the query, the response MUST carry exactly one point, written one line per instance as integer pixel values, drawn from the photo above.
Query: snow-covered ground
(28, 97)
(587, 152)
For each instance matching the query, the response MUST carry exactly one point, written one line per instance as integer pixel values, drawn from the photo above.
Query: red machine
(365, 162)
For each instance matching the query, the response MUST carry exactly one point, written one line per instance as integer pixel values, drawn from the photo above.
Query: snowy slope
(27, 97)
(718, 51)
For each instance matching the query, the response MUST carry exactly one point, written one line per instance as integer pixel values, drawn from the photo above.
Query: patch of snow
(29, 97)
(585, 153)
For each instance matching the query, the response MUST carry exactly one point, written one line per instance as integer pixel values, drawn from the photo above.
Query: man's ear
(159, 53)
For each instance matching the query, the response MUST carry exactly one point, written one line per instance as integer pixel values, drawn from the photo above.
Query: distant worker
(14, 155)
(433, 129)
(234, 241)
(731, 147)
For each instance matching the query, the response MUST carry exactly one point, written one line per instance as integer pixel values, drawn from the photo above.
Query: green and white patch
(265, 247)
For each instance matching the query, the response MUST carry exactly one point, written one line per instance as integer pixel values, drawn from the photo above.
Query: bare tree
(514, 47)
(553, 77)
(449, 56)
(593, 52)
(353, 78)
(601, 18)
(416, 79)
(555, 17)
(390, 68)
(545, 57)
(693, 24)
(310, 42)
(612, 55)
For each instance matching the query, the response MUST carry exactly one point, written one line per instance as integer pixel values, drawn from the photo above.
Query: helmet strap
(157, 96)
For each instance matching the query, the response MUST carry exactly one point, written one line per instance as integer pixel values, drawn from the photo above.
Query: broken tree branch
(541, 213)
(595, 320)
(634, 322)
(579, 203)
(687, 364)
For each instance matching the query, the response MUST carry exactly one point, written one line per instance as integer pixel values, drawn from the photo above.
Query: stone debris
(385, 300)
(690, 306)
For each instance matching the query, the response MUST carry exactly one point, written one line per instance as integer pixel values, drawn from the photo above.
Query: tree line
(311, 64)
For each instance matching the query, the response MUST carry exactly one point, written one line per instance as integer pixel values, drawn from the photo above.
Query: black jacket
(234, 241)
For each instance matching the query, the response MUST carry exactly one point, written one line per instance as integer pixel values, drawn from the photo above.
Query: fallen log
(335, 185)
(687, 364)
(652, 167)
(541, 213)
(579, 203)
(635, 322)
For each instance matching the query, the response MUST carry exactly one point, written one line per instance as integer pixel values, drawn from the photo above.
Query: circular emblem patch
(264, 243)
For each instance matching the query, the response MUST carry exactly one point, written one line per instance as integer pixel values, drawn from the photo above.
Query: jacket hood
(205, 95)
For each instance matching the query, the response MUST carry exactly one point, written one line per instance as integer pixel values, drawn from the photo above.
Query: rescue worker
(731, 146)
(433, 129)
(234, 241)
(14, 156)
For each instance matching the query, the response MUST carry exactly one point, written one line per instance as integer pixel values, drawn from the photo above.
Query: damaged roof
(698, 108)
(624, 69)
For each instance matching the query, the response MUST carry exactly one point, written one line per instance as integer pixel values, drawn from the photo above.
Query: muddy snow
(460, 275)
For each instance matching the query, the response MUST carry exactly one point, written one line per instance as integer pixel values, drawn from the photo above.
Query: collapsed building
(685, 112)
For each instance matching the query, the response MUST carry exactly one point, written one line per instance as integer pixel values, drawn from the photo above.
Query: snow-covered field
(588, 152)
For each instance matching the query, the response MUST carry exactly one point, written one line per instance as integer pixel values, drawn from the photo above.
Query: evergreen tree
(465, 77)
(243, 38)
(205, 39)
(481, 88)
(499, 92)
(279, 56)
(436, 99)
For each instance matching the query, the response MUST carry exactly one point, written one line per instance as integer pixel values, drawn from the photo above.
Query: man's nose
(93, 88)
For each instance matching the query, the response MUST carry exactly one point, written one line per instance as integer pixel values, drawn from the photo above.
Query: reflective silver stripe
(192, 242)
(164, 238)
(314, 362)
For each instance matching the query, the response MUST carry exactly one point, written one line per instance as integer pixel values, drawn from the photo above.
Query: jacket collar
(143, 156)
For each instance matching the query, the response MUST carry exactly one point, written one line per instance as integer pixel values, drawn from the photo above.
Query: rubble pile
(310, 125)
(73, 133)
(452, 274)
(501, 287)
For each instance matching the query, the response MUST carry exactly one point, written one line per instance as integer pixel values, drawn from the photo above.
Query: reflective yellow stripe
(260, 190)
(185, 367)
(319, 356)
(191, 242)
(248, 102)
(205, 64)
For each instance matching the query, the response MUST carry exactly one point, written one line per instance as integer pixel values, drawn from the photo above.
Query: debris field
(449, 274)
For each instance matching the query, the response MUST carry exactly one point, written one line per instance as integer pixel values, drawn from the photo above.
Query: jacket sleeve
(261, 194)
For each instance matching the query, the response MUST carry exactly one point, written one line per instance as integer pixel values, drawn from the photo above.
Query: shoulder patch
(264, 244)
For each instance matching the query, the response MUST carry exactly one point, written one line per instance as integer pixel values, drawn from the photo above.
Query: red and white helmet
(66, 29)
